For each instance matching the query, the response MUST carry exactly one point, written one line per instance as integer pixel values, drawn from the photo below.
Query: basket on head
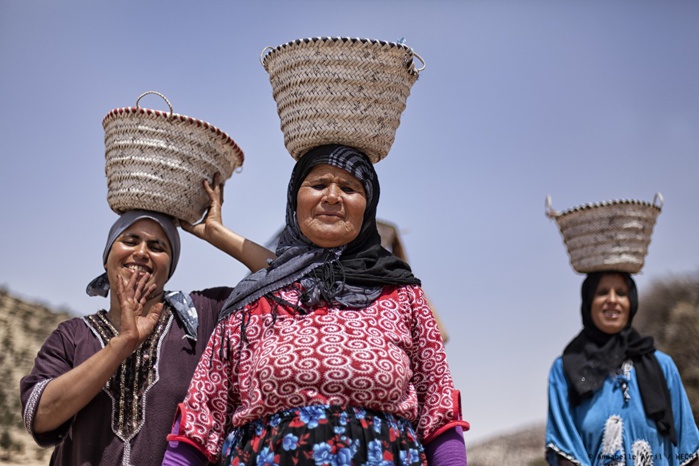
(158, 160)
(607, 236)
(340, 90)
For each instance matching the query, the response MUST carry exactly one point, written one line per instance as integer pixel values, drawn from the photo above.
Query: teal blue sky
(583, 101)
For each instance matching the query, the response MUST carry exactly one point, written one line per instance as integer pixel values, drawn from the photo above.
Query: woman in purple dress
(105, 386)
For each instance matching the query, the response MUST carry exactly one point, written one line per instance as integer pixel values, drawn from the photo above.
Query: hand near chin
(134, 325)
(212, 220)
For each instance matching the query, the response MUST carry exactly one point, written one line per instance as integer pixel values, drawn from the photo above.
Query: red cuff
(457, 421)
(180, 436)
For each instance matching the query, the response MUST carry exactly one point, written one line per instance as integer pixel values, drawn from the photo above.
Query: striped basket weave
(339, 90)
(158, 160)
(607, 236)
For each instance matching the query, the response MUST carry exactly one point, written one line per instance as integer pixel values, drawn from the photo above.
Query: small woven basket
(607, 236)
(157, 160)
(339, 90)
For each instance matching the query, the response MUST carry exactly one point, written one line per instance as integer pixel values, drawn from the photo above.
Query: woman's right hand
(135, 325)
(70, 392)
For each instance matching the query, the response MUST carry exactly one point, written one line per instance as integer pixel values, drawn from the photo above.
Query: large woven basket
(339, 90)
(607, 236)
(158, 160)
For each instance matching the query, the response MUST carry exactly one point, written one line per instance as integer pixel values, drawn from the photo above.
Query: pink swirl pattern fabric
(387, 357)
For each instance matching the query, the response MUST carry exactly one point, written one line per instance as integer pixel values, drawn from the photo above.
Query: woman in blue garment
(613, 398)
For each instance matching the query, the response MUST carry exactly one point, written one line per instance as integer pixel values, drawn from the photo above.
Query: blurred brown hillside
(669, 311)
(23, 328)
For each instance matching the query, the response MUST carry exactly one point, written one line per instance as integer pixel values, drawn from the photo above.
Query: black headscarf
(592, 355)
(350, 275)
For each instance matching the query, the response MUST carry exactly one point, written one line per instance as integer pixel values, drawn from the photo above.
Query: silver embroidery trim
(127, 444)
(33, 404)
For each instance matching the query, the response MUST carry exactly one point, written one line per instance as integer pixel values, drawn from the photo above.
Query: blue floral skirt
(325, 435)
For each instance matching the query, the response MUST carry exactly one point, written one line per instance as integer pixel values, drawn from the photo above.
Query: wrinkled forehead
(323, 171)
(346, 158)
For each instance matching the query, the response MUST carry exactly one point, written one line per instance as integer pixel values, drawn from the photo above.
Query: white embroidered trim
(623, 375)
(626, 368)
(642, 453)
(612, 441)
(32, 404)
(127, 441)
(553, 447)
(689, 459)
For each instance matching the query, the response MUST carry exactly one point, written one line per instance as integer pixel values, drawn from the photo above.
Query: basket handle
(424, 65)
(156, 93)
(550, 211)
(658, 198)
(263, 54)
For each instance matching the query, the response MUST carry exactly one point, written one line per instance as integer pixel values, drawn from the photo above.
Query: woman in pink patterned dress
(332, 354)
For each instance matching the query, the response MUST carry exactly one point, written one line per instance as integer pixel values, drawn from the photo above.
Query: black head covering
(592, 355)
(350, 275)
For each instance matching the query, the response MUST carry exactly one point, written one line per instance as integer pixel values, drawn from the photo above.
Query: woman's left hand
(212, 221)
(212, 230)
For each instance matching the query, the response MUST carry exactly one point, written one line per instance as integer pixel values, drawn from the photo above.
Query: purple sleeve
(53, 359)
(182, 454)
(448, 449)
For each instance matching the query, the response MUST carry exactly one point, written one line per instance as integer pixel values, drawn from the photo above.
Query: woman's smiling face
(330, 206)
(141, 248)
(611, 304)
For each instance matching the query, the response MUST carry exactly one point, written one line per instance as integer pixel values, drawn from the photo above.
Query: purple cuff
(448, 449)
(183, 454)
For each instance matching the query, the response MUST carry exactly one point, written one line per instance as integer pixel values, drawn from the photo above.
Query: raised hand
(212, 220)
(136, 322)
(212, 230)
(70, 392)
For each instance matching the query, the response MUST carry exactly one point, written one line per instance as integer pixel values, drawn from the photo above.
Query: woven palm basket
(607, 236)
(158, 160)
(339, 90)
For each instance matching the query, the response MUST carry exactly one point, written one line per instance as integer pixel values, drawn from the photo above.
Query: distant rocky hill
(524, 447)
(23, 328)
(669, 311)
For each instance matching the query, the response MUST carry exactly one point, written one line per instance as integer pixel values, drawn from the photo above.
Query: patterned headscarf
(100, 285)
(350, 275)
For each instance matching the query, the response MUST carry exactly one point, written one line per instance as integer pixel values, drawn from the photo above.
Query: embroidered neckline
(135, 376)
